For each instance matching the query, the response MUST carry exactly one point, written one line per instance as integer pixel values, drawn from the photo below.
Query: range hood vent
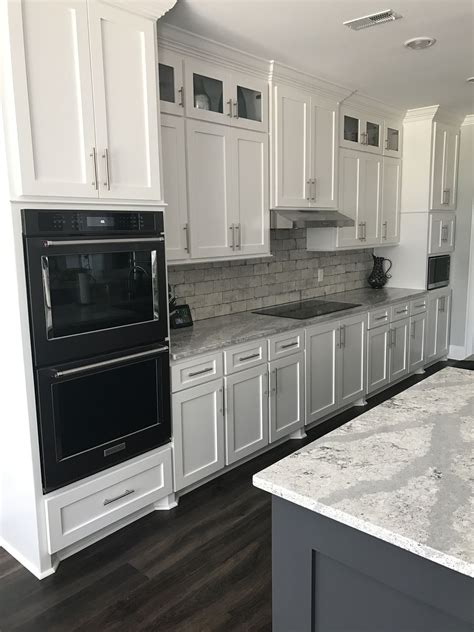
(306, 218)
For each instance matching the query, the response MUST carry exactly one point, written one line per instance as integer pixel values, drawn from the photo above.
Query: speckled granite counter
(216, 333)
(401, 472)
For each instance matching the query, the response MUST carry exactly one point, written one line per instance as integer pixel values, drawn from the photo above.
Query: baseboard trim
(21, 559)
(458, 352)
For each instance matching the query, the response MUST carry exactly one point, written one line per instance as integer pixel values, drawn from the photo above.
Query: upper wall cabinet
(444, 167)
(304, 148)
(368, 132)
(85, 100)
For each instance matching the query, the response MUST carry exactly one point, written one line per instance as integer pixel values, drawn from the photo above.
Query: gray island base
(372, 524)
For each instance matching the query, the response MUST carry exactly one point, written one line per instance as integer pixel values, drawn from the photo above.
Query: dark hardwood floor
(204, 566)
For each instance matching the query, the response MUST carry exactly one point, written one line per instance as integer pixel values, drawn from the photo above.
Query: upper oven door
(93, 296)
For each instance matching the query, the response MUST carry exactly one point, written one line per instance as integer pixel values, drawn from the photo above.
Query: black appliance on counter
(438, 271)
(99, 330)
(301, 310)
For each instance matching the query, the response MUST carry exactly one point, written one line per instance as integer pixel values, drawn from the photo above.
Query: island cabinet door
(286, 395)
(377, 358)
(398, 349)
(417, 342)
(246, 412)
(351, 359)
(198, 433)
(321, 370)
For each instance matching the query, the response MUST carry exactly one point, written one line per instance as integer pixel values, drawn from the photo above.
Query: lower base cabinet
(286, 395)
(378, 374)
(417, 342)
(398, 349)
(437, 325)
(198, 433)
(246, 412)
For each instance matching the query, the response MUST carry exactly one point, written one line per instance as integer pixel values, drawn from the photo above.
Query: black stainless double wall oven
(99, 330)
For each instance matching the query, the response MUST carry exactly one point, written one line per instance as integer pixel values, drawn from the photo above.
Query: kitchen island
(373, 523)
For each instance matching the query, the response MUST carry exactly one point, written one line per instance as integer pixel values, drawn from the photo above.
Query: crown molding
(280, 73)
(153, 9)
(433, 113)
(468, 120)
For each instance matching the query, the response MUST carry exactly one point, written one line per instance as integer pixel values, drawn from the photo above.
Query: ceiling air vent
(372, 20)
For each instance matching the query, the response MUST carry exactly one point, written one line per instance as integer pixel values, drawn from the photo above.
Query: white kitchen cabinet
(171, 82)
(360, 130)
(437, 325)
(392, 145)
(352, 345)
(398, 342)
(417, 342)
(52, 86)
(378, 374)
(444, 167)
(250, 102)
(124, 79)
(441, 233)
(174, 187)
(198, 433)
(246, 412)
(286, 395)
(360, 197)
(304, 149)
(391, 192)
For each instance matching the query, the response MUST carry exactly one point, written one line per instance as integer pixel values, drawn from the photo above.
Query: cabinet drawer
(196, 371)
(399, 311)
(285, 344)
(85, 508)
(244, 356)
(418, 305)
(378, 317)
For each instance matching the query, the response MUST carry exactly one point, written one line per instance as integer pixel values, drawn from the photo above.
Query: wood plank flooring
(205, 566)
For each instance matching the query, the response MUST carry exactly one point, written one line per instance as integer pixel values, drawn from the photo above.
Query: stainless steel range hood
(312, 218)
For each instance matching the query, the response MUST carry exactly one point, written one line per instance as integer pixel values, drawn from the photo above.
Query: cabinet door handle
(232, 228)
(394, 334)
(342, 336)
(446, 196)
(127, 492)
(413, 325)
(384, 317)
(186, 237)
(386, 143)
(93, 155)
(238, 245)
(275, 381)
(201, 372)
(289, 345)
(229, 103)
(236, 109)
(402, 311)
(313, 197)
(385, 230)
(365, 231)
(308, 190)
(364, 140)
(360, 231)
(442, 304)
(181, 97)
(420, 305)
(249, 357)
(222, 408)
(105, 156)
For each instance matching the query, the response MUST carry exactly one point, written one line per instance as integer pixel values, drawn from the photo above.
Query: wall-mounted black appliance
(438, 271)
(99, 331)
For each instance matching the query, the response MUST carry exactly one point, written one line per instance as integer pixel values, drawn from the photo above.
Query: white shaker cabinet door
(321, 370)
(442, 329)
(444, 167)
(391, 191)
(351, 377)
(53, 98)
(377, 358)
(417, 342)
(351, 165)
(174, 187)
(198, 433)
(399, 349)
(250, 192)
(371, 196)
(124, 73)
(324, 145)
(246, 403)
(211, 207)
(291, 147)
(286, 395)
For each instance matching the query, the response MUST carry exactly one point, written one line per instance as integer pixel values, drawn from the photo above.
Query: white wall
(462, 261)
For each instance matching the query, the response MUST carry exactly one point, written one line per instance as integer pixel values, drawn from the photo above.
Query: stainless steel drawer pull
(201, 372)
(289, 345)
(402, 311)
(127, 492)
(250, 357)
(384, 317)
(47, 243)
(420, 305)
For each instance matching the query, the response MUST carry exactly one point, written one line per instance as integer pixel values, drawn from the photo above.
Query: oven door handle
(47, 243)
(56, 374)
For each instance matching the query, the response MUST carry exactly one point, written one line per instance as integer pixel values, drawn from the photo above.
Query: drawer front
(245, 356)
(400, 310)
(285, 344)
(419, 305)
(88, 507)
(378, 317)
(196, 371)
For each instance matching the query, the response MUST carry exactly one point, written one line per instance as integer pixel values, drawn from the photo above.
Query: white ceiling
(309, 35)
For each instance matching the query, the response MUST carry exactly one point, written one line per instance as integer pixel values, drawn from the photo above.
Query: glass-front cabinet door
(393, 139)
(372, 134)
(170, 72)
(250, 102)
(360, 131)
(208, 93)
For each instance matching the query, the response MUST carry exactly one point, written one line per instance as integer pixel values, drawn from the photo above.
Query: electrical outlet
(320, 274)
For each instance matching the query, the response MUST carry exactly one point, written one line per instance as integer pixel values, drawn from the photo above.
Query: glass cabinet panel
(249, 104)
(351, 129)
(393, 139)
(208, 93)
(373, 134)
(167, 80)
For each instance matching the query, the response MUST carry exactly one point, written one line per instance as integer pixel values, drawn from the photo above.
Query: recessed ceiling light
(470, 79)
(418, 43)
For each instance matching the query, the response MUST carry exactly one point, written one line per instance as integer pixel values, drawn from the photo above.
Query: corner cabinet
(88, 94)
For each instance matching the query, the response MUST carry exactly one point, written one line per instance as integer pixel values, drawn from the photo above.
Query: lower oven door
(94, 415)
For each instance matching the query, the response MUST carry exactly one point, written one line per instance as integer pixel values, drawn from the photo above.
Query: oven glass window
(95, 409)
(90, 292)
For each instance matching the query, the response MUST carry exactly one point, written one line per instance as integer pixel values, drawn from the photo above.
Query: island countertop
(401, 472)
(215, 333)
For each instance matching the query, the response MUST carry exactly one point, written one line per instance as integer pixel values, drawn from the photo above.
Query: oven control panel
(47, 222)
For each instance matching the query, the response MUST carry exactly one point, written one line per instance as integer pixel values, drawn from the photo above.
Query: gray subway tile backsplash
(291, 274)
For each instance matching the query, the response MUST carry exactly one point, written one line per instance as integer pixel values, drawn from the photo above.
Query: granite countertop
(401, 472)
(214, 333)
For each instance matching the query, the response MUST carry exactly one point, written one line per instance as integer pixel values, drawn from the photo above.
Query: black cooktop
(305, 309)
